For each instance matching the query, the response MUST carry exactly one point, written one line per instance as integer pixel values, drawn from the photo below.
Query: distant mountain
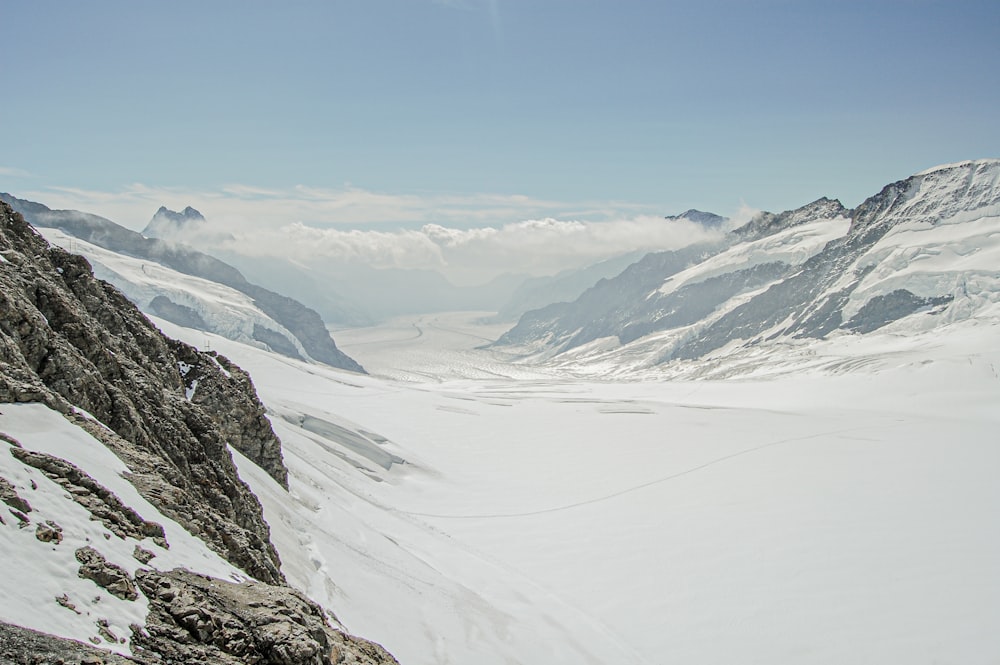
(707, 219)
(167, 223)
(920, 253)
(566, 286)
(293, 326)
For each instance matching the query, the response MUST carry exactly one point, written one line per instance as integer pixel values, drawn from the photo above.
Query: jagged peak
(764, 223)
(186, 215)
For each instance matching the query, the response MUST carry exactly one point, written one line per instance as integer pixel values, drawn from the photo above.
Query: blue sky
(396, 113)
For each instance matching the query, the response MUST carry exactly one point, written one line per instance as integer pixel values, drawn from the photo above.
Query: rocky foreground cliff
(74, 346)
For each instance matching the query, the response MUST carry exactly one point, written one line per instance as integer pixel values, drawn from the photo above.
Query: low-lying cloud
(469, 256)
(468, 238)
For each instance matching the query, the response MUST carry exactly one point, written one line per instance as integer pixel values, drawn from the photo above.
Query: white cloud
(469, 238)
(542, 246)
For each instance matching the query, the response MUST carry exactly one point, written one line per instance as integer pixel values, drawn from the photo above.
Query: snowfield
(835, 502)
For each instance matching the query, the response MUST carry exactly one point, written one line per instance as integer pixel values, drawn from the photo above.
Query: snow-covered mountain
(921, 253)
(186, 286)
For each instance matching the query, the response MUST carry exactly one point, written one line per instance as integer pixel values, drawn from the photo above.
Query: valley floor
(842, 513)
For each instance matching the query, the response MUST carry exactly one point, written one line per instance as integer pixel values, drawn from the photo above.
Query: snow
(37, 573)
(950, 258)
(836, 508)
(792, 246)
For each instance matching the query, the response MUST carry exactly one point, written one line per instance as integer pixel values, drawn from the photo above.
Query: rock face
(69, 340)
(108, 576)
(21, 646)
(304, 323)
(194, 618)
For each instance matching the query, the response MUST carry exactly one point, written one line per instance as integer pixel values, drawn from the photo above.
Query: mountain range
(920, 253)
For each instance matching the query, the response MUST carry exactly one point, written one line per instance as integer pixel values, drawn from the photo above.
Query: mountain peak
(707, 219)
(166, 223)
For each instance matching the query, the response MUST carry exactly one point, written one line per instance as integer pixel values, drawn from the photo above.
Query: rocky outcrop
(112, 578)
(69, 340)
(9, 495)
(199, 619)
(21, 646)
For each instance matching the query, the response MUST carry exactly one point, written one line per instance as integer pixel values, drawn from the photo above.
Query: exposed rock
(9, 495)
(275, 341)
(109, 576)
(64, 601)
(182, 315)
(22, 519)
(21, 646)
(9, 439)
(142, 555)
(884, 309)
(49, 532)
(104, 630)
(194, 618)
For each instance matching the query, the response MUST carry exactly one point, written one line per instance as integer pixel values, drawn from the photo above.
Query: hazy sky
(399, 113)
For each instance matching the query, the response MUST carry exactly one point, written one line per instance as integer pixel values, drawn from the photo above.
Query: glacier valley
(837, 510)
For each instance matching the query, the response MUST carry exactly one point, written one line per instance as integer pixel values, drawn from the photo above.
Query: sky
(389, 115)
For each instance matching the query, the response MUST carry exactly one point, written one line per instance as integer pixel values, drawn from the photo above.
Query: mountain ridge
(823, 257)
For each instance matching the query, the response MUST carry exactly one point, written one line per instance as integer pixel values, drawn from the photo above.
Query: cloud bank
(468, 238)
(472, 256)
